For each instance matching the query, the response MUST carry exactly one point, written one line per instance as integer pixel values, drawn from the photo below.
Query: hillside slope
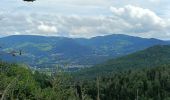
(150, 57)
(48, 51)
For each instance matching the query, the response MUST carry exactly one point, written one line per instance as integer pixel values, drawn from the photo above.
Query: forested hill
(151, 57)
(40, 50)
(17, 82)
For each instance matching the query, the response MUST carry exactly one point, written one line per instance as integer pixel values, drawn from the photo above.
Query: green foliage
(18, 82)
(142, 84)
(145, 84)
(23, 86)
(144, 75)
(151, 57)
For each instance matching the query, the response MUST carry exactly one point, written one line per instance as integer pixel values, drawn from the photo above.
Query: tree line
(19, 82)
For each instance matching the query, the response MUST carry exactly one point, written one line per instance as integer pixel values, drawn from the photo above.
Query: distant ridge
(42, 50)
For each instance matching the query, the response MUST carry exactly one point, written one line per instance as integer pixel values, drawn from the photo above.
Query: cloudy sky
(86, 18)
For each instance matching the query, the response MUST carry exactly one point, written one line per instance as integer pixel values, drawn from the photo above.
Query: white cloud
(139, 16)
(130, 20)
(47, 29)
(17, 33)
(155, 1)
(141, 20)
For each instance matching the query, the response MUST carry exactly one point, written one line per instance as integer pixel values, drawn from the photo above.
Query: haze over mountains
(47, 51)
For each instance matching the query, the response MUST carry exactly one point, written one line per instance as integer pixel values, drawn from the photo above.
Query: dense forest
(144, 75)
(153, 56)
(18, 82)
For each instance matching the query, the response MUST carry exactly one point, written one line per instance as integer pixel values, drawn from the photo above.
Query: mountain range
(48, 51)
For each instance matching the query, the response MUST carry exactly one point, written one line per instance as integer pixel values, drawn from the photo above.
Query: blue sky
(86, 18)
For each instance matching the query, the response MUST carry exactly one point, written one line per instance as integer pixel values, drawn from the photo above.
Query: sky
(86, 18)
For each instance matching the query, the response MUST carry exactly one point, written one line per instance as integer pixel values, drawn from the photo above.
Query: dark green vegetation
(154, 56)
(18, 82)
(48, 51)
(146, 84)
(143, 75)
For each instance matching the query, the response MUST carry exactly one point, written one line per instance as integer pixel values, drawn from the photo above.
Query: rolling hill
(151, 57)
(48, 51)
